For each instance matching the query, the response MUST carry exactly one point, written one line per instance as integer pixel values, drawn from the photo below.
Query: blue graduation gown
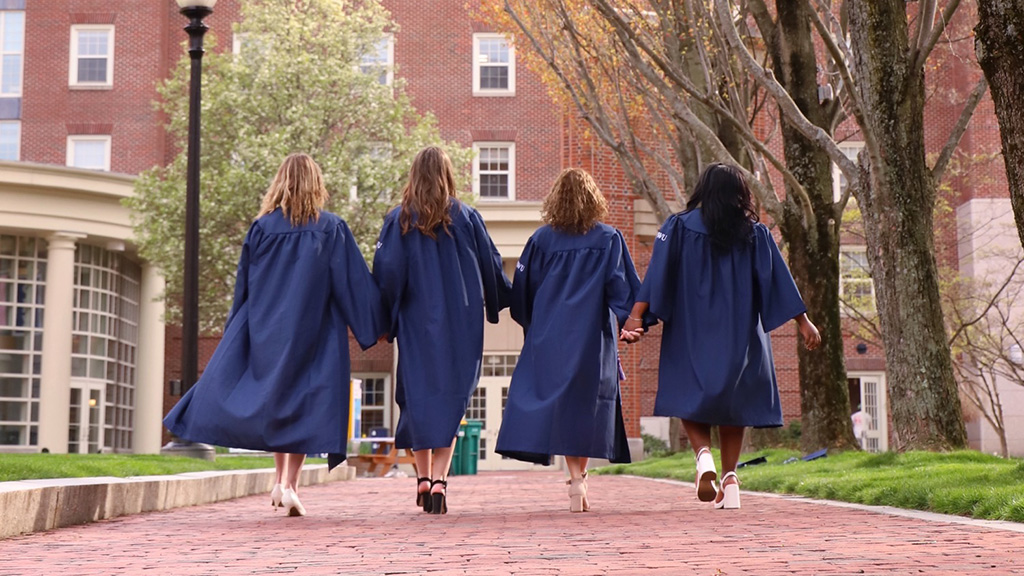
(716, 362)
(279, 378)
(571, 293)
(437, 292)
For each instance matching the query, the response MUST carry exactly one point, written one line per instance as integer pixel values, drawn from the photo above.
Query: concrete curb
(36, 505)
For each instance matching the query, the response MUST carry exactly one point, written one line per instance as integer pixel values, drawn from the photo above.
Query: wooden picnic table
(383, 455)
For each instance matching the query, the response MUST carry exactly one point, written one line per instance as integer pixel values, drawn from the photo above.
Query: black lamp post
(195, 11)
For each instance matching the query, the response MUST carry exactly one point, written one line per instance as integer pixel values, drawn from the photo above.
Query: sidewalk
(518, 523)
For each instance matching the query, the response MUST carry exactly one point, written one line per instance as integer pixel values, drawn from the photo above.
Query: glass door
(85, 419)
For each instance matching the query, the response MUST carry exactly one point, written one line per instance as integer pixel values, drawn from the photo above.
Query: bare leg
(294, 466)
(576, 466)
(699, 435)
(732, 443)
(422, 458)
(440, 464)
(279, 463)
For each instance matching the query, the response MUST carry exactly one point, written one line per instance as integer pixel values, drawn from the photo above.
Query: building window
(499, 365)
(477, 409)
(104, 338)
(92, 55)
(379, 61)
(12, 47)
(375, 404)
(856, 289)
(851, 150)
(494, 170)
(92, 152)
(10, 140)
(22, 292)
(494, 66)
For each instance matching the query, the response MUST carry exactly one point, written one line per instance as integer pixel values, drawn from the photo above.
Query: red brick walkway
(516, 524)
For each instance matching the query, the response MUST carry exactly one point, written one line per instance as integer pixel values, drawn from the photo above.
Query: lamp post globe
(195, 11)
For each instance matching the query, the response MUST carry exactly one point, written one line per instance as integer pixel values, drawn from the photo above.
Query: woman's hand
(812, 339)
(631, 330)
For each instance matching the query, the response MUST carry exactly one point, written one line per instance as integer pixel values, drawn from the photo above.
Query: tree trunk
(897, 202)
(1000, 48)
(813, 255)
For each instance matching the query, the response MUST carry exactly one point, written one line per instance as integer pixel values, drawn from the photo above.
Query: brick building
(77, 84)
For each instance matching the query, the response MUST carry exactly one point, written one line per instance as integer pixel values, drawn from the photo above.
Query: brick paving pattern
(515, 523)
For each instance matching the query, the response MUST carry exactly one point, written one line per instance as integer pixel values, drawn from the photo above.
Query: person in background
(719, 283)
(279, 378)
(572, 291)
(440, 275)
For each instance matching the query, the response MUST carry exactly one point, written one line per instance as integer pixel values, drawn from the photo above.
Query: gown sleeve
(251, 243)
(497, 288)
(523, 285)
(355, 290)
(659, 286)
(391, 270)
(621, 284)
(778, 298)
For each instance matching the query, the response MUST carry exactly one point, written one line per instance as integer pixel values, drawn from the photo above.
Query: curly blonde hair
(298, 189)
(575, 203)
(429, 193)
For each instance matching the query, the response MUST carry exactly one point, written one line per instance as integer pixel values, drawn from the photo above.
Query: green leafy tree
(304, 80)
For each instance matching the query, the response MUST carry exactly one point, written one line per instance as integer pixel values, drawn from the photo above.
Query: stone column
(55, 383)
(149, 381)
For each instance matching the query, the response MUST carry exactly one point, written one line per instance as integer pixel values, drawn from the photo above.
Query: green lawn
(964, 483)
(33, 466)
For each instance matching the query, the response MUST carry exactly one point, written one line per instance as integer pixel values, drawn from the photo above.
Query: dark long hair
(726, 206)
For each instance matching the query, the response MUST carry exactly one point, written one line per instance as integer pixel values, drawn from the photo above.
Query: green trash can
(471, 445)
(456, 467)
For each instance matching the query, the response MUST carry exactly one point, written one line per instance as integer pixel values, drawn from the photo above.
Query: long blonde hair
(298, 189)
(575, 203)
(427, 196)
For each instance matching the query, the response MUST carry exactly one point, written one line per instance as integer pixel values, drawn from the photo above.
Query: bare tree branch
(936, 33)
(958, 130)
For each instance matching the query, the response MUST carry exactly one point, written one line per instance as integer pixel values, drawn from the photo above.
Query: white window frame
(17, 149)
(74, 57)
(842, 281)
(511, 170)
(511, 90)
(388, 399)
(74, 139)
(851, 149)
(21, 71)
(389, 63)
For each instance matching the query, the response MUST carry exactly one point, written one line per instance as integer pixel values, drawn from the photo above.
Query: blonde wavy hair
(429, 192)
(575, 203)
(298, 189)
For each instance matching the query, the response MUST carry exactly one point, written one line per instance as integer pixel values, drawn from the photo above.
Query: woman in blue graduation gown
(720, 285)
(279, 378)
(573, 288)
(440, 274)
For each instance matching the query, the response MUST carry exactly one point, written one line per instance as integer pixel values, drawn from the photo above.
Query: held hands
(812, 339)
(632, 330)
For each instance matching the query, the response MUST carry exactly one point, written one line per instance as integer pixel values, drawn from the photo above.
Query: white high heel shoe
(577, 494)
(730, 493)
(275, 496)
(290, 501)
(706, 475)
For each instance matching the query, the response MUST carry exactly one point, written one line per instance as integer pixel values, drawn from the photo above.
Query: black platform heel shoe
(439, 500)
(423, 498)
